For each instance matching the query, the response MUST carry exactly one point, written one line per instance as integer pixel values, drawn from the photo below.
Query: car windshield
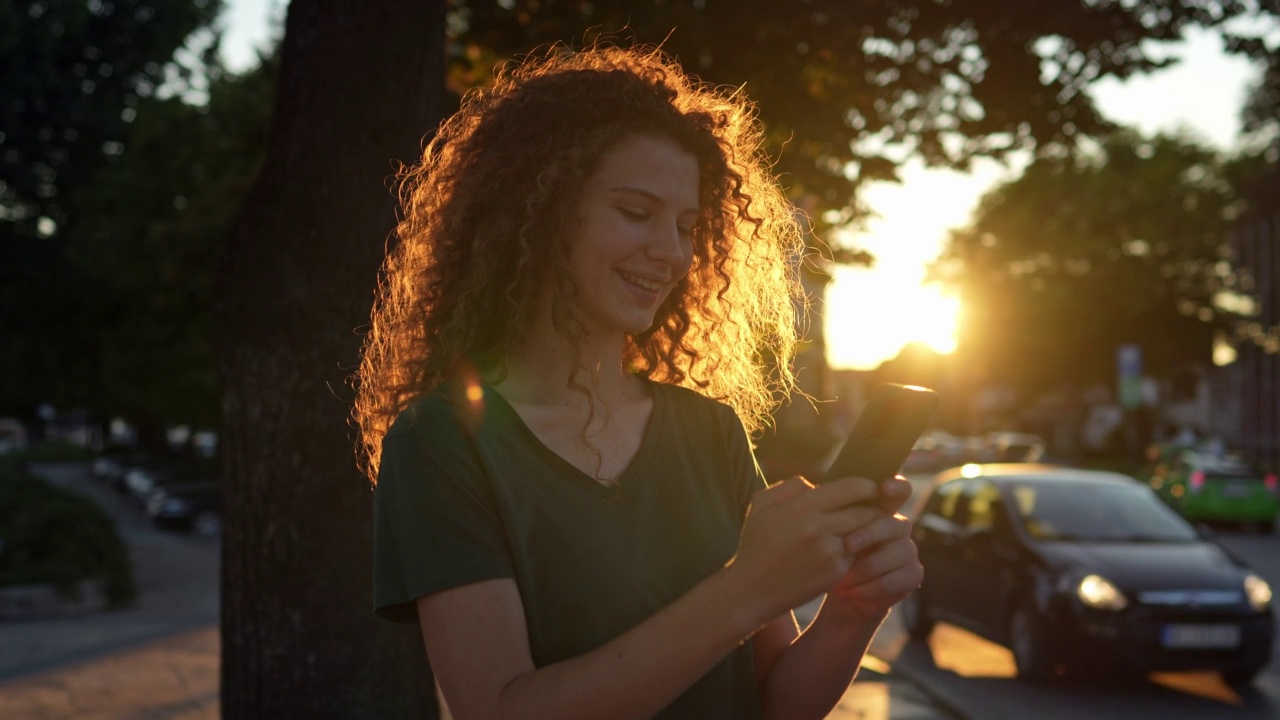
(1097, 512)
(1222, 466)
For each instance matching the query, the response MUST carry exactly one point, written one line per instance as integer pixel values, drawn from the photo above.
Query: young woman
(567, 355)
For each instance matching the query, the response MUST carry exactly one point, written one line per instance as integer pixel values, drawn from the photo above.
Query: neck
(539, 371)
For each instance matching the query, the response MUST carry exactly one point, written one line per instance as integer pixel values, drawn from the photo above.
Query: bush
(56, 536)
(54, 452)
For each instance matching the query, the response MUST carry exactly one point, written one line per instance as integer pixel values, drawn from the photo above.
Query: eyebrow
(652, 196)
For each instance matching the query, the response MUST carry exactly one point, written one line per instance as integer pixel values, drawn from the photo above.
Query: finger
(894, 493)
(886, 557)
(781, 492)
(892, 572)
(881, 529)
(850, 519)
(842, 492)
(883, 560)
(888, 588)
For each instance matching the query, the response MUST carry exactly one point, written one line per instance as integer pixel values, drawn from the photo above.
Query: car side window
(1001, 523)
(943, 502)
(983, 499)
(961, 515)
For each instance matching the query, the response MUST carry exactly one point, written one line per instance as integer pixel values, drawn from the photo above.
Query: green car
(1217, 487)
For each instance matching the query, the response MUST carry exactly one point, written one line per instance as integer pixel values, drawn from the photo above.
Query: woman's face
(632, 240)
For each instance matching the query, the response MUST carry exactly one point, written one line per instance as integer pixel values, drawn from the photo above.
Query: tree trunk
(360, 85)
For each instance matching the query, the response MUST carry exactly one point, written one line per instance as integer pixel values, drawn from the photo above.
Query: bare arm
(811, 673)
(791, 550)
(477, 641)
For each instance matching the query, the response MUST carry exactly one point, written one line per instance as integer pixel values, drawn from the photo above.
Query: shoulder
(437, 416)
(694, 408)
(431, 441)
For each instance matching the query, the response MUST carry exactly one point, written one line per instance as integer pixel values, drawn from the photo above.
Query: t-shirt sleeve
(436, 524)
(748, 479)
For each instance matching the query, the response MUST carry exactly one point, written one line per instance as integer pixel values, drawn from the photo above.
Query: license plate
(1236, 490)
(1200, 636)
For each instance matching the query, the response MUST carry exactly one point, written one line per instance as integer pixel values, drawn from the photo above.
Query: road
(976, 678)
(157, 660)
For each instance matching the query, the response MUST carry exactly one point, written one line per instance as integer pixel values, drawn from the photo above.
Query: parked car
(138, 481)
(143, 478)
(13, 436)
(1016, 447)
(935, 450)
(1216, 486)
(109, 463)
(192, 507)
(1084, 571)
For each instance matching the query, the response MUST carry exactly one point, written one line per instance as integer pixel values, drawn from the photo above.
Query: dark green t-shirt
(467, 492)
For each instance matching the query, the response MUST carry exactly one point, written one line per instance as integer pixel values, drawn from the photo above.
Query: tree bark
(361, 85)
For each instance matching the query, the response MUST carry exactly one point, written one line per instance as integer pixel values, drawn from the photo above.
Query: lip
(656, 280)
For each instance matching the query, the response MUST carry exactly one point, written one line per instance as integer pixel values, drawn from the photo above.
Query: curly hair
(482, 220)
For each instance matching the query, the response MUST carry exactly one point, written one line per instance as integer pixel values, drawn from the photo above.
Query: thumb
(781, 492)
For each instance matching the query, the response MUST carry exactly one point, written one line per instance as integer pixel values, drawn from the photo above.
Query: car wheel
(915, 616)
(206, 524)
(1241, 677)
(1029, 644)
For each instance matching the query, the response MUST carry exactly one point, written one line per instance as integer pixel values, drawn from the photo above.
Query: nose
(670, 245)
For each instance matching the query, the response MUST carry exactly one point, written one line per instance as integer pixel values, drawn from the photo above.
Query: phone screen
(893, 420)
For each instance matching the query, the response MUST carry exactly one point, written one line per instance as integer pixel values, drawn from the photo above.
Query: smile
(650, 285)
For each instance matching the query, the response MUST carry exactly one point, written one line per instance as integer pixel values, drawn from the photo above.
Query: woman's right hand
(792, 546)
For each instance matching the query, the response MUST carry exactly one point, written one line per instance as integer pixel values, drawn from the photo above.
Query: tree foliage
(72, 75)
(1261, 110)
(849, 89)
(1087, 251)
(147, 236)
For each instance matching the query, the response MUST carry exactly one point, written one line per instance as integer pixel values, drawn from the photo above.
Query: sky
(1202, 95)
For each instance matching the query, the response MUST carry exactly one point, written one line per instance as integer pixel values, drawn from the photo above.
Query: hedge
(53, 535)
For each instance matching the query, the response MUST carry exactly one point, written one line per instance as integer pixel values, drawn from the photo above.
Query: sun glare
(871, 315)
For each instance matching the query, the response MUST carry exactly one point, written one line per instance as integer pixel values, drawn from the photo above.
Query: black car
(193, 507)
(1079, 570)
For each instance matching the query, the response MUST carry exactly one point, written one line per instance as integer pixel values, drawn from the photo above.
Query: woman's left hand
(887, 568)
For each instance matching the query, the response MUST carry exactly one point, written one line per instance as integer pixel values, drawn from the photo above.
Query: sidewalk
(159, 661)
(176, 678)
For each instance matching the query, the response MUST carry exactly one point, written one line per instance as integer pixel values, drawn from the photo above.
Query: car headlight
(1258, 592)
(1097, 592)
(174, 506)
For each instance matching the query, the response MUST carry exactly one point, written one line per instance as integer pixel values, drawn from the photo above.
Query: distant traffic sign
(1129, 372)
(1129, 360)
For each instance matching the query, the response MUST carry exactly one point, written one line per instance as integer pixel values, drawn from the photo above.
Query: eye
(633, 213)
(685, 230)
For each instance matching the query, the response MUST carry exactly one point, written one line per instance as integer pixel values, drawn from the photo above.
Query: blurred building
(1251, 385)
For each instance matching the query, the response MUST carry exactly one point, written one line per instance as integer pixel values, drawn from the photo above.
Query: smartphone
(893, 420)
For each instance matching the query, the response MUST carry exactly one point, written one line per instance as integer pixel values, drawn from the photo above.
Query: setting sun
(871, 314)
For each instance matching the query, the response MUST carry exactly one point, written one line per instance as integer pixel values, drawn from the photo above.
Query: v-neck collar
(631, 476)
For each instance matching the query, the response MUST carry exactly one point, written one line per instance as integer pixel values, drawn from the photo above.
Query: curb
(44, 601)
(919, 681)
(89, 654)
